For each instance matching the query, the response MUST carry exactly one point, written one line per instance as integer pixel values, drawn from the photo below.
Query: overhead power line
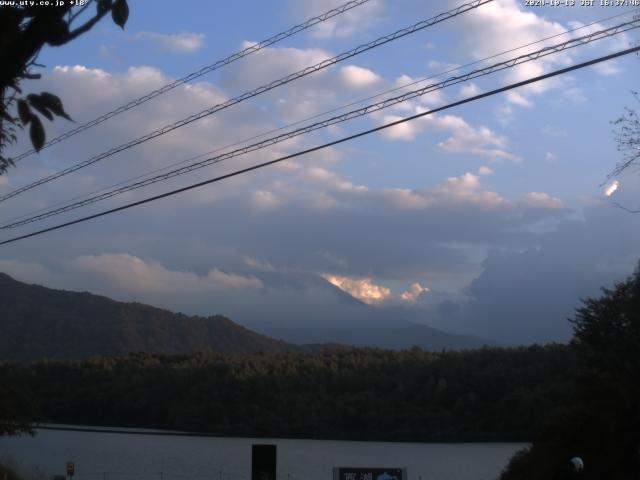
(312, 117)
(203, 71)
(317, 115)
(580, 41)
(265, 88)
(329, 144)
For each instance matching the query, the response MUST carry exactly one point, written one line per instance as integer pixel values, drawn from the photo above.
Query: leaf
(37, 133)
(36, 102)
(24, 112)
(57, 32)
(120, 12)
(53, 103)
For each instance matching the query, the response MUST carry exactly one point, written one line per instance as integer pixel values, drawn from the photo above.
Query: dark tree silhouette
(627, 136)
(24, 31)
(601, 423)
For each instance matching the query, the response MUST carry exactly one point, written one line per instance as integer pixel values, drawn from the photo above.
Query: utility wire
(203, 71)
(313, 117)
(584, 40)
(329, 144)
(265, 88)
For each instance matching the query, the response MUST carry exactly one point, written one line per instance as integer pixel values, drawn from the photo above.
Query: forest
(365, 394)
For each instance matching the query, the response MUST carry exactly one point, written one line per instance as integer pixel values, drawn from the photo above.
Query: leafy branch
(24, 30)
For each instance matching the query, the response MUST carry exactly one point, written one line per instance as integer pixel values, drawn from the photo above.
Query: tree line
(364, 394)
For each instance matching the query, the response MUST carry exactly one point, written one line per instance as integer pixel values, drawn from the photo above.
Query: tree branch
(625, 208)
(86, 27)
(79, 12)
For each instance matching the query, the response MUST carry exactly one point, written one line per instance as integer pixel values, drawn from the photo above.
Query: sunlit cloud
(414, 292)
(358, 77)
(363, 288)
(542, 200)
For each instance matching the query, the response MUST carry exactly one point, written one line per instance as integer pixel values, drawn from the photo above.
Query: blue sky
(494, 207)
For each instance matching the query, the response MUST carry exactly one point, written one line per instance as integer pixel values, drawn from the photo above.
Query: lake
(154, 456)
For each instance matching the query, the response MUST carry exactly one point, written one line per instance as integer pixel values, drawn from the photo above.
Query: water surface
(153, 456)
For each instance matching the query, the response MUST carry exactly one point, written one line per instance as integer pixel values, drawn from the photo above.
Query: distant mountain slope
(407, 335)
(38, 322)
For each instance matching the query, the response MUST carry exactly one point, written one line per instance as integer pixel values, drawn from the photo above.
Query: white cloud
(406, 199)
(453, 191)
(480, 141)
(468, 189)
(265, 200)
(608, 68)
(330, 179)
(186, 42)
(88, 93)
(414, 292)
(542, 200)
(518, 99)
(405, 83)
(406, 131)
(358, 77)
(464, 138)
(361, 288)
(469, 90)
(134, 274)
(341, 26)
(500, 25)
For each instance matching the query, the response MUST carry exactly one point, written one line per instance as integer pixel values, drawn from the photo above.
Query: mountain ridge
(40, 322)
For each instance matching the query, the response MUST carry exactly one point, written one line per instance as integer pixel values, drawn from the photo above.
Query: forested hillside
(488, 394)
(38, 322)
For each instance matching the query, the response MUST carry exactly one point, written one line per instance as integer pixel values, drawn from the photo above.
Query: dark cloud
(528, 296)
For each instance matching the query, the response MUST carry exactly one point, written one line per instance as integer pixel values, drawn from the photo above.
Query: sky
(491, 218)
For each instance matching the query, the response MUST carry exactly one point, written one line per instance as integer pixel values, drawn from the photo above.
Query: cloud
(88, 93)
(499, 25)
(469, 90)
(406, 131)
(608, 68)
(144, 277)
(542, 200)
(464, 138)
(265, 200)
(480, 141)
(178, 42)
(467, 189)
(363, 288)
(342, 26)
(414, 292)
(358, 77)
(528, 295)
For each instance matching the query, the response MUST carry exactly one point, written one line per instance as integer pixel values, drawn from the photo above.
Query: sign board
(264, 460)
(364, 473)
(71, 468)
